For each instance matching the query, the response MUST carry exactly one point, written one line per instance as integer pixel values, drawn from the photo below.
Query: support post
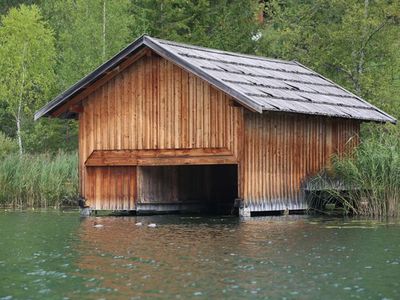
(84, 210)
(244, 210)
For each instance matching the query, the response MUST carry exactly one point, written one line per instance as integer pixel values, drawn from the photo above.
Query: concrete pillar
(85, 212)
(244, 211)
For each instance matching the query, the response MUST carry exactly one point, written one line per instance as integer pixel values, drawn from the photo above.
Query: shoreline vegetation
(372, 171)
(39, 180)
(45, 46)
(369, 176)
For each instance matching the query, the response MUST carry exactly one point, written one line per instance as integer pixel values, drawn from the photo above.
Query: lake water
(58, 255)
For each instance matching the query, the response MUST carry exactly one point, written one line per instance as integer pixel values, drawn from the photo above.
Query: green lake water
(58, 255)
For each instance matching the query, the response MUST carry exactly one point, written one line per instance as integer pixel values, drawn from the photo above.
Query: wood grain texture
(156, 114)
(154, 106)
(281, 151)
(160, 157)
(111, 188)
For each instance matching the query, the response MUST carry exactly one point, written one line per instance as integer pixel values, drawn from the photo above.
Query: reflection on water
(56, 254)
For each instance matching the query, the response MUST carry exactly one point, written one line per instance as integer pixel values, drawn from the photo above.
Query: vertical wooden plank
(163, 96)
(184, 110)
(147, 101)
(170, 106)
(134, 109)
(155, 88)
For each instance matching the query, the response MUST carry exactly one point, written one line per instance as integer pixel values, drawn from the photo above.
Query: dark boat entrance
(187, 188)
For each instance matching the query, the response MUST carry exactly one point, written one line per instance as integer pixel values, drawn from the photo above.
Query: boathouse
(168, 126)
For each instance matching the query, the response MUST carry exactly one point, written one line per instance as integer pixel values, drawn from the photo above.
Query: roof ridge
(187, 65)
(212, 50)
(289, 89)
(247, 65)
(269, 77)
(237, 67)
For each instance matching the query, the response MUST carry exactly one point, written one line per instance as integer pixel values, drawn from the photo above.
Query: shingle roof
(259, 83)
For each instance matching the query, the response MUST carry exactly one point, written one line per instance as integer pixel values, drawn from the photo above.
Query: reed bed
(39, 180)
(370, 175)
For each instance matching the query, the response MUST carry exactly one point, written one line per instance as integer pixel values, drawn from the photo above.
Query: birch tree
(92, 32)
(27, 58)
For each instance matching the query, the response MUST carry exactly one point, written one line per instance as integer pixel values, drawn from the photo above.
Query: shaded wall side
(201, 184)
(155, 104)
(282, 150)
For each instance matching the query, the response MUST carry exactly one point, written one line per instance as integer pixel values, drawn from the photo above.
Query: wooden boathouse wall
(152, 114)
(169, 123)
(283, 150)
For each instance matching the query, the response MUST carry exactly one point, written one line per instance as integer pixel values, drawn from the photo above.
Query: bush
(7, 145)
(38, 180)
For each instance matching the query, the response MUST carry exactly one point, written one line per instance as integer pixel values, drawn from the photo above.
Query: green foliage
(27, 56)
(7, 145)
(355, 43)
(7, 122)
(46, 47)
(375, 169)
(5, 5)
(370, 174)
(89, 32)
(227, 25)
(38, 180)
(51, 135)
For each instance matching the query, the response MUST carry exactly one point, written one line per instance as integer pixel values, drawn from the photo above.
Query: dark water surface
(58, 255)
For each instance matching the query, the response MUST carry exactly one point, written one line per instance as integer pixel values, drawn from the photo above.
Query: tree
(227, 25)
(27, 57)
(5, 5)
(91, 32)
(355, 43)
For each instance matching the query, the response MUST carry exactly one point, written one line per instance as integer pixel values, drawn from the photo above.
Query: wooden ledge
(161, 157)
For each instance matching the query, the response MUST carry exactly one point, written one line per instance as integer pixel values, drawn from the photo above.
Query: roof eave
(88, 79)
(389, 118)
(380, 121)
(144, 40)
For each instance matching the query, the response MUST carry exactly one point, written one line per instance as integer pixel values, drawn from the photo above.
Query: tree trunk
(19, 137)
(361, 60)
(18, 115)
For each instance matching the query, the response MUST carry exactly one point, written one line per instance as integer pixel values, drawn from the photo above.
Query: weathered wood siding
(155, 113)
(111, 188)
(283, 150)
(153, 104)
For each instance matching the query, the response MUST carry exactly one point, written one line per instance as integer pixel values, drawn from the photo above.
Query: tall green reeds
(38, 180)
(371, 174)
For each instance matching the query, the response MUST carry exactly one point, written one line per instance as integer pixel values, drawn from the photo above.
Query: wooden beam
(234, 103)
(165, 157)
(77, 108)
(97, 84)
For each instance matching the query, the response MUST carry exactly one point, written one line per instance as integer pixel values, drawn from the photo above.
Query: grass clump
(38, 180)
(369, 177)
